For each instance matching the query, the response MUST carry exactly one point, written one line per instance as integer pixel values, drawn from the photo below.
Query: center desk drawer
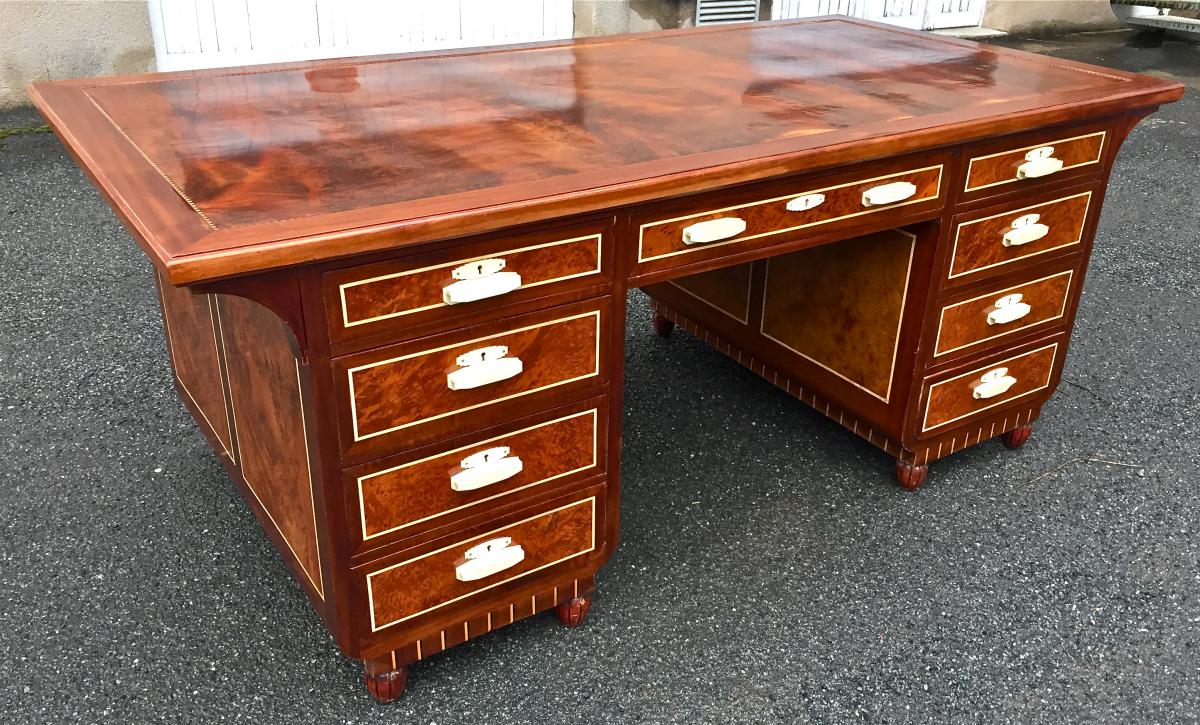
(403, 396)
(749, 218)
(453, 581)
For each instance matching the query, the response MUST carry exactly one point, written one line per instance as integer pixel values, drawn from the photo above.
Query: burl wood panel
(195, 355)
(359, 298)
(1001, 168)
(395, 496)
(726, 289)
(237, 170)
(400, 387)
(265, 390)
(964, 324)
(661, 238)
(979, 243)
(840, 305)
(416, 586)
(953, 399)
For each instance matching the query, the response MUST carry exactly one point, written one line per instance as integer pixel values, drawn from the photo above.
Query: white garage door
(917, 14)
(213, 33)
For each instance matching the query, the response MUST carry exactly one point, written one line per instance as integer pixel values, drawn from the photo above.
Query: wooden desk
(848, 209)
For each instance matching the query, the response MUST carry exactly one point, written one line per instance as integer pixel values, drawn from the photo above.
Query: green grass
(21, 130)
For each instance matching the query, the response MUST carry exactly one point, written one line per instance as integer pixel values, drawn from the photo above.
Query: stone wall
(57, 39)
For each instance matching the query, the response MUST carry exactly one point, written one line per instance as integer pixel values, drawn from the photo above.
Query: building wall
(57, 39)
(1048, 17)
(608, 17)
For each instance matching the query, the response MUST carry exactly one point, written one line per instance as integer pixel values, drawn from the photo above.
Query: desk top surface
(240, 170)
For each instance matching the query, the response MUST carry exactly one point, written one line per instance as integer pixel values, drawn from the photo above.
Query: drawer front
(745, 220)
(429, 389)
(1003, 313)
(402, 495)
(424, 584)
(472, 279)
(982, 389)
(1060, 153)
(980, 246)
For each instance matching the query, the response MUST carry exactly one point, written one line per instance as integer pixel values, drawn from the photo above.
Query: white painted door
(214, 33)
(916, 14)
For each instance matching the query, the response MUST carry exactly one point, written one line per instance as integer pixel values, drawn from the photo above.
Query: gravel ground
(769, 571)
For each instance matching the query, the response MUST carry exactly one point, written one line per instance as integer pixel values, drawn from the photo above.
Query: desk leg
(1016, 437)
(572, 612)
(385, 679)
(910, 477)
(663, 327)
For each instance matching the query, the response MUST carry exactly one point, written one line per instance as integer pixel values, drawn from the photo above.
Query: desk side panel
(237, 371)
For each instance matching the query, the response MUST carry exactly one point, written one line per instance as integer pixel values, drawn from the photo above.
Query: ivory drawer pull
(806, 202)
(993, 383)
(1025, 229)
(485, 468)
(483, 366)
(1039, 162)
(888, 193)
(490, 557)
(713, 230)
(480, 280)
(1008, 308)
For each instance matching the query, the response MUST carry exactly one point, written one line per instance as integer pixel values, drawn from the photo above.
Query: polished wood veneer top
(240, 170)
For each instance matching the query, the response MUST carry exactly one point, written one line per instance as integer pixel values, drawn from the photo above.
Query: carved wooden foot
(572, 611)
(662, 326)
(910, 477)
(385, 682)
(1016, 437)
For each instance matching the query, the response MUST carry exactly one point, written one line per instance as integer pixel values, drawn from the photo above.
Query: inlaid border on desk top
(342, 288)
(971, 164)
(1016, 213)
(375, 626)
(362, 509)
(937, 192)
(420, 353)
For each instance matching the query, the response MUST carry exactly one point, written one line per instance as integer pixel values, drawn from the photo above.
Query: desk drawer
(986, 387)
(731, 222)
(987, 245)
(466, 283)
(1001, 314)
(458, 576)
(1027, 159)
(406, 395)
(412, 493)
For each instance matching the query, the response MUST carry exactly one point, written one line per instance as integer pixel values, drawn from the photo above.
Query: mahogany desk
(393, 288)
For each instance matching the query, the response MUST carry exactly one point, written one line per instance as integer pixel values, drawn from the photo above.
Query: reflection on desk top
(235, 170)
